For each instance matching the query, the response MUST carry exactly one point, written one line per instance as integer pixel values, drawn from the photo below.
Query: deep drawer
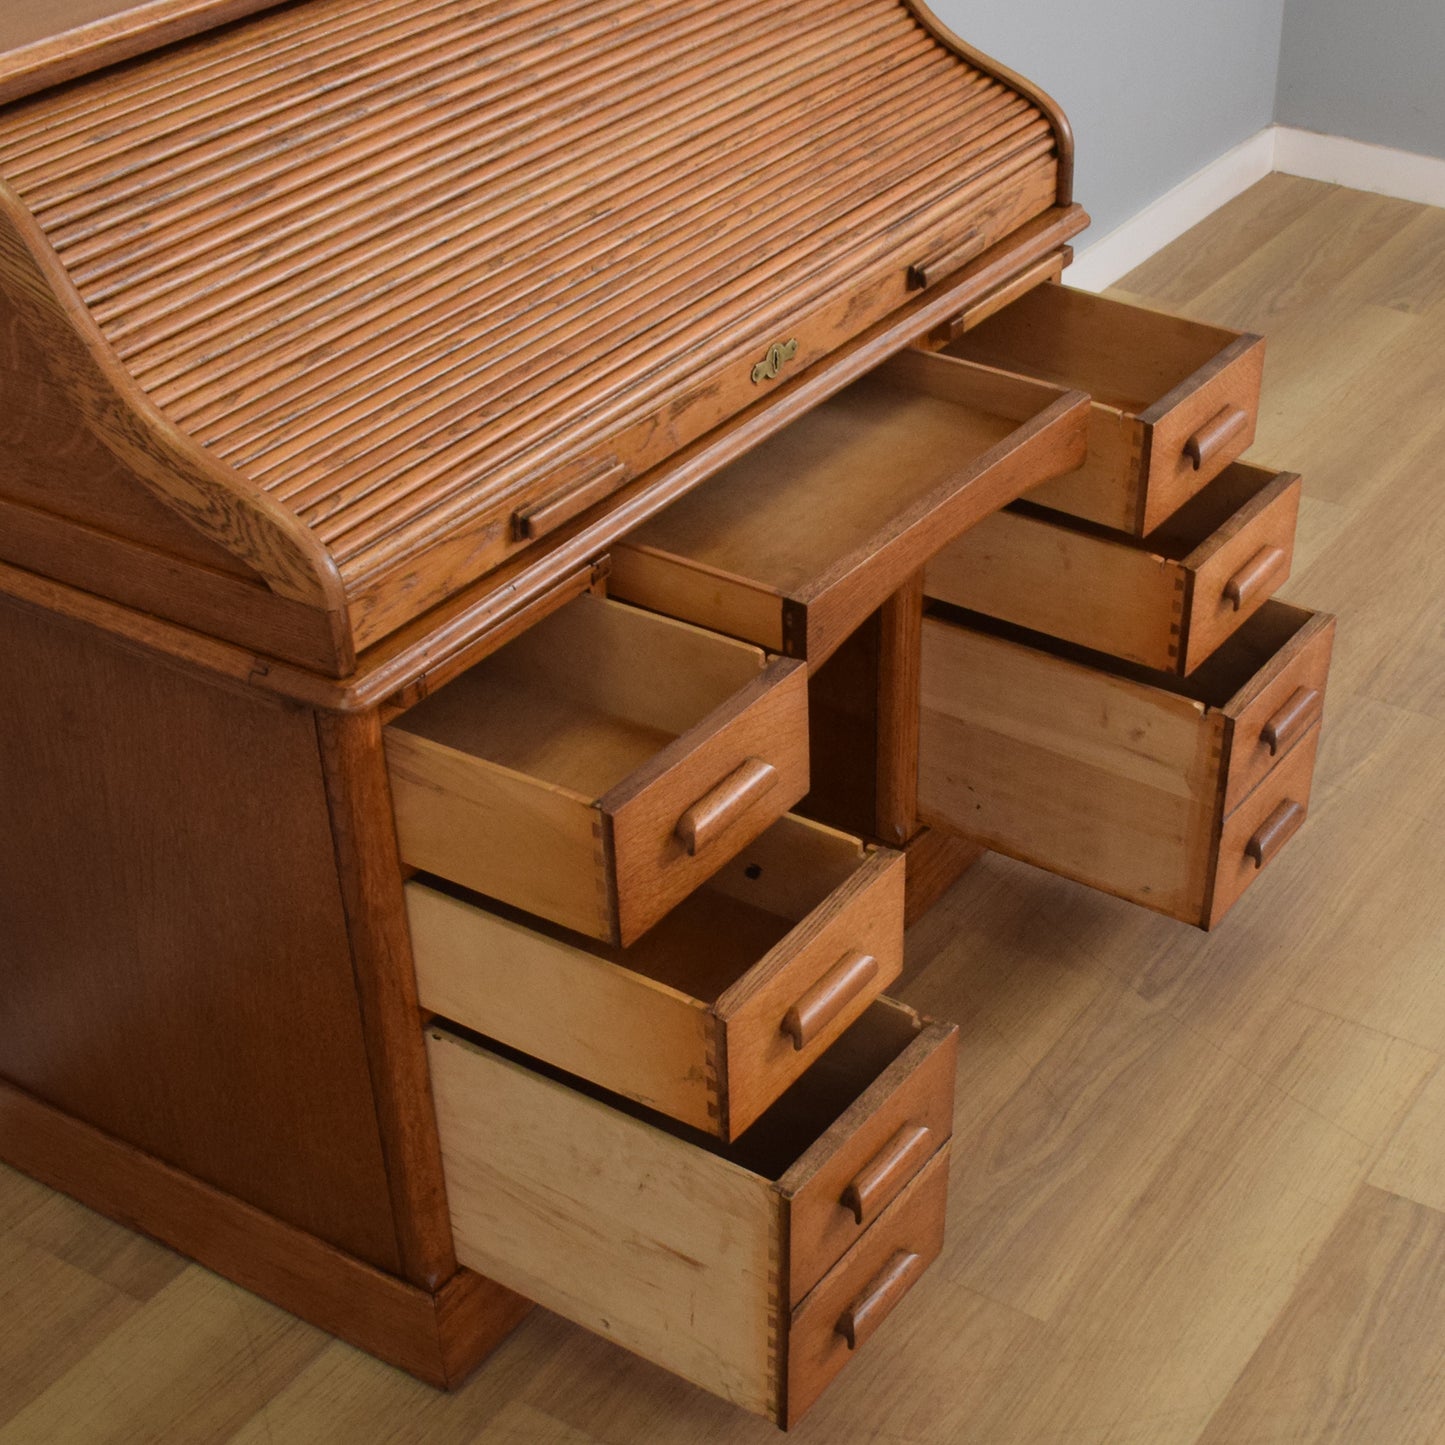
(1166, 601)
(1123, 779)
(711, 1014)
(699, 1256)
(599, 768)
(796, 543)
(1174, 401)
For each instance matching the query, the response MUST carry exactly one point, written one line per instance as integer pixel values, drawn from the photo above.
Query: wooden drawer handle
(829, 997)
(1215, 435)
(858, 1322)
(561, 506)
(716, 811)
(922, 274)
(1299, 714)
(1275, 832)
(1256, 576)
(880, 1179)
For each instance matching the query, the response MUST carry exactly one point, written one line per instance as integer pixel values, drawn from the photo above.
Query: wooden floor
(1198, 1181)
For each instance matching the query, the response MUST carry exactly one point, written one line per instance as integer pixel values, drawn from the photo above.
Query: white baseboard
(1363, 167)
(1331, 158)
(1102, 263)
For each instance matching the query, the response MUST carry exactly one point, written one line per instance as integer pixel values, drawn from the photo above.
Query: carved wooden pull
(716, 811)
(1215, 435)
(858, 1322)
(922, 274)
(880, 1179)
(1256, 576)
(1275, 832)
(1299, 714)
(570, 501)
(829, 997)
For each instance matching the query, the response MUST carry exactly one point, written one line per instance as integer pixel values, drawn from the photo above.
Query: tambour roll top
(357, 300)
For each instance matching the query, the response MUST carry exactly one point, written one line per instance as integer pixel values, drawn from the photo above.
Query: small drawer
(599, 768)
(1165, 602)
(715, 1261)
(1125, 779)
(1174, 401)
(796, 543)
(716, 1010)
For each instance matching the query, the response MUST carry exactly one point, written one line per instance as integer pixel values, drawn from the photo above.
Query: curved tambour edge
(374, 294)
(87, 457)
(1047, 105)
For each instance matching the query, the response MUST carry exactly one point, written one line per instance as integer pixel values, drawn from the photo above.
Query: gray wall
(1154, 90)
(1373, 70)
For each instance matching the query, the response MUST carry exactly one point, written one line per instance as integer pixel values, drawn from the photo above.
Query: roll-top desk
(516, 583)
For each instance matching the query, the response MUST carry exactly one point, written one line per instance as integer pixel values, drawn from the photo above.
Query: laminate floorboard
(1198, 1181)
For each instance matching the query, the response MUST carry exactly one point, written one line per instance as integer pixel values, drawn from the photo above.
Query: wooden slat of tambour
(182, 70)
(408, 281)
(618, 282)
(340, 283)
(452, 301)
(222, 205)
(705, 329)
(423, 78)
(413, 447)
(160, 109)
(482, 198)
(289, 334)
(240, 89)
(362, 97)
(351, 343)
(422, 124)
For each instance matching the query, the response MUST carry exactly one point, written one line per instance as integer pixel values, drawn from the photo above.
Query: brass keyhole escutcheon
(779, 354)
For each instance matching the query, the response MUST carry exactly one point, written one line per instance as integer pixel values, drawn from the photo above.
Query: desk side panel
(175, 968)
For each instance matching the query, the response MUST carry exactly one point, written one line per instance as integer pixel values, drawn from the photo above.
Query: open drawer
(1174, 401)
(1173, 793)
(796, 543)
(714, 1012)
(745, 1268)
(600, 767)
(1166, 601)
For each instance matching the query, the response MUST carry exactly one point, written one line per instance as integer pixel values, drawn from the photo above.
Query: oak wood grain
(198, 920)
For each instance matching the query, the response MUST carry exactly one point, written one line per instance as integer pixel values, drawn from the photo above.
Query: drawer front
(1238, 568)
(711, 1015)
(856, 1297)
(1284, 701)
(673, 1250)
(870, 1156)
(794, 545)
(1108, 777)
(783, 1013)
(1174, 401)
(1166, 602)
(676, 820)
(1256, 831)
(1195, 431)
(595, 770)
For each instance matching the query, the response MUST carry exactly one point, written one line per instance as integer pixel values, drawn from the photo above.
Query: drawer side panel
(651, 1242)
(1087, 775)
